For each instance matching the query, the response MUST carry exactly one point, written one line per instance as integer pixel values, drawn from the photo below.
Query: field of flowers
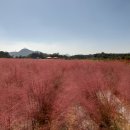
(64, 95)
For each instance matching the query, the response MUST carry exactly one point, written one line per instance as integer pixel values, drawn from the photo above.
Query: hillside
(22, 52)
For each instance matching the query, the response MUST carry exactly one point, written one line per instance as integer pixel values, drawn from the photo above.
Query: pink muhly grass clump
(62, 94)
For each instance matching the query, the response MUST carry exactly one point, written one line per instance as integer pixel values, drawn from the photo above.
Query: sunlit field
(64, 95)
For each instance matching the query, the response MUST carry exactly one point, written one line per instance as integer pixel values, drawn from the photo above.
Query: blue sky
(65, 26)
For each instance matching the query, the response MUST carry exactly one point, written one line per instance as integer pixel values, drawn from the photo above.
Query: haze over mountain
(22, 52)
(65, 26)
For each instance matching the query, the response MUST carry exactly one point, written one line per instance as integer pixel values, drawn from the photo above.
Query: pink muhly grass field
(64, 95)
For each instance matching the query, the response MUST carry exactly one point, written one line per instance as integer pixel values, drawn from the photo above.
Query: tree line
(100, 56)
(4, 54)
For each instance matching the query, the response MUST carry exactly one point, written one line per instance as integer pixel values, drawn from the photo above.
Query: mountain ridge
(22, 52)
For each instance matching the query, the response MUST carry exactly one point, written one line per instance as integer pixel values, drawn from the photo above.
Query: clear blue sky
(65, 26)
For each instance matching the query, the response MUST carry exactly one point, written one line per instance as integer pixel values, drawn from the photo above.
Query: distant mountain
(23, 52)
